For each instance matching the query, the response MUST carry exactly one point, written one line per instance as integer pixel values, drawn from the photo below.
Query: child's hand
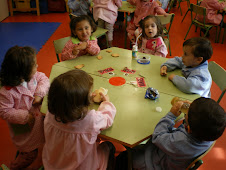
(160, 4)
(163, 71)
(81, 46)
(37, 101)
(171, 77)
(165, 15)
(75, 52)
(104, 97)
(176, 108)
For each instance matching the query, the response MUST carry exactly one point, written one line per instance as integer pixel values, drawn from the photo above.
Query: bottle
(134, 51)
(184, 107)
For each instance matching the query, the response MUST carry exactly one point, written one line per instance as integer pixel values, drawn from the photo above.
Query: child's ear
(200, 59)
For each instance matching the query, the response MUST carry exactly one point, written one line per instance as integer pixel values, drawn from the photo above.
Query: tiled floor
(215, 159)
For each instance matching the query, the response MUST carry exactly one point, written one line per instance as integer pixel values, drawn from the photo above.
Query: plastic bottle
(134, 51)
(184, 107)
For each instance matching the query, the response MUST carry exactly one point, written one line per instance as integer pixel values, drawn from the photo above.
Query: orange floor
(215, 159)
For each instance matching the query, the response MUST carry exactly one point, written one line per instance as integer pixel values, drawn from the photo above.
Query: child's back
(73, 144)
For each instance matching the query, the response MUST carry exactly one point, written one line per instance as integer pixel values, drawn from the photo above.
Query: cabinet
(23, 6)
(4, 12)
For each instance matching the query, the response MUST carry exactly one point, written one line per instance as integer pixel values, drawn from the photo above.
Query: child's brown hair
(69, 96)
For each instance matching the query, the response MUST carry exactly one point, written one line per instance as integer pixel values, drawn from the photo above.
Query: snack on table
(151, 93)
(97, 98)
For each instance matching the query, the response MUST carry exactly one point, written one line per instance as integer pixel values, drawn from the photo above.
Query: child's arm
(217, 5)
(173, 63)
(118, 3)
(42, 87)
(7, 110)
(132, 2)
(161, 50)
(158, 9)
(67, 51)
(92, 47)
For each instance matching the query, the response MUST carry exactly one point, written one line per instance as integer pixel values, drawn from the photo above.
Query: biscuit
(115, 55)
(79, 66)
(99, 57)
(109, 51)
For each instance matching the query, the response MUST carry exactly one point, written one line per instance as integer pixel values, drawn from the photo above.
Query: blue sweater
(196, 80)
(79, 7)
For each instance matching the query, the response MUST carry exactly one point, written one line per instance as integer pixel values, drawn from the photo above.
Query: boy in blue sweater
(196, 77)
(175, 148)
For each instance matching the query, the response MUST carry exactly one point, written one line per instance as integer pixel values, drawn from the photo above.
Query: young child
(82, 41)
(196, 77)
(212, 7)
(21, 94)
(175, 148)
(143, 9)
(71, 129)
(152, 42)
(106, 12)
(80, 7)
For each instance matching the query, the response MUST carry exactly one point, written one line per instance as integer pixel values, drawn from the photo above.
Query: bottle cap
(135, 48)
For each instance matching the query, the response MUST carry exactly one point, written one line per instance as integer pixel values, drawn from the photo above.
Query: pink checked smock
(154, 46)
(212, 7)
(92, 48)
(74, 145)
(15, 105)
(143, 9)
(106, 10)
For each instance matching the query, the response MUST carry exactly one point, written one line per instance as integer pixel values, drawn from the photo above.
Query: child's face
(150, 28)
(189, 59)
(83, 30)
(34, 69)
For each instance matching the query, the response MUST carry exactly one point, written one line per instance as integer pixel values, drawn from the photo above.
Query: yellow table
(136, 116)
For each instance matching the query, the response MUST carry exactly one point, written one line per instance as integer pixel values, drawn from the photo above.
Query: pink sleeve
(92, 47)
(161, 50)
(7, 110)
(217, 5)
(118, 3)
(105, 115)
(157, 9)
(67, 51)
(43, 84)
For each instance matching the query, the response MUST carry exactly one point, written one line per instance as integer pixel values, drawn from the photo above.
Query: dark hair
(69, 96)
(17, 66)
(157, 22)
(76, 19)
(201, 47)
(207, 119)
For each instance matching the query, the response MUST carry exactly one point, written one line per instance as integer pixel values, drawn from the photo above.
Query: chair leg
(106, 40)
(169, 45)
(216, 37)
(188, 31)
(180, 7)
(223, 36)
(185, 14)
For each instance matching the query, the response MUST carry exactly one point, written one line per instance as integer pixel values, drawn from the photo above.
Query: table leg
(125, 31)
(37, 8)
(11, 7)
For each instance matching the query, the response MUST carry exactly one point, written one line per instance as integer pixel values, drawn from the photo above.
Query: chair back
(59, 45)
(166, 20)
(198, 160)
(198, 10)
(219, 76)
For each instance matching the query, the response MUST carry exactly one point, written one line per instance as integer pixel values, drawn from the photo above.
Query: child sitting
(212, 6)
(80, 7)
(21, 94)
(71, 129)
(152, 42)
(82, 41)
(106, 12)
(143, 9)
(196, 77)
(175, 148)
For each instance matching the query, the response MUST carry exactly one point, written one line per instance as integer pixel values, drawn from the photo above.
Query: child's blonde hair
(69, 96)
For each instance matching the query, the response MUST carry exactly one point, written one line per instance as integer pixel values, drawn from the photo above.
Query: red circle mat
(117, 81)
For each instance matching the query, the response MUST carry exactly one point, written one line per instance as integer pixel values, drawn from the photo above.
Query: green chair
(164, 21)
(189, 9)
(4, 167)
(224, 34)
(59, 45)
(170, 5)
(98, 33)
(219, 77)
(202, 12)
(198, 161)
(179, 1)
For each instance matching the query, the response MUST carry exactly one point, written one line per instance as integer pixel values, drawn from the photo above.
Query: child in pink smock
(152, 42)
(212, 8)
(71, 129)
(106, 12)
(82, 42)
(21, 94)
(143, 9)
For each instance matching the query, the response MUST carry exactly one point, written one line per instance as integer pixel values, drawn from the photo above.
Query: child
(212, 6)
(71, 129)
(23, 89)
(143, 9)
(175, 148)
(152, 42)
(82, 41)
(80, 7)
(106, 12)
(194, 65)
